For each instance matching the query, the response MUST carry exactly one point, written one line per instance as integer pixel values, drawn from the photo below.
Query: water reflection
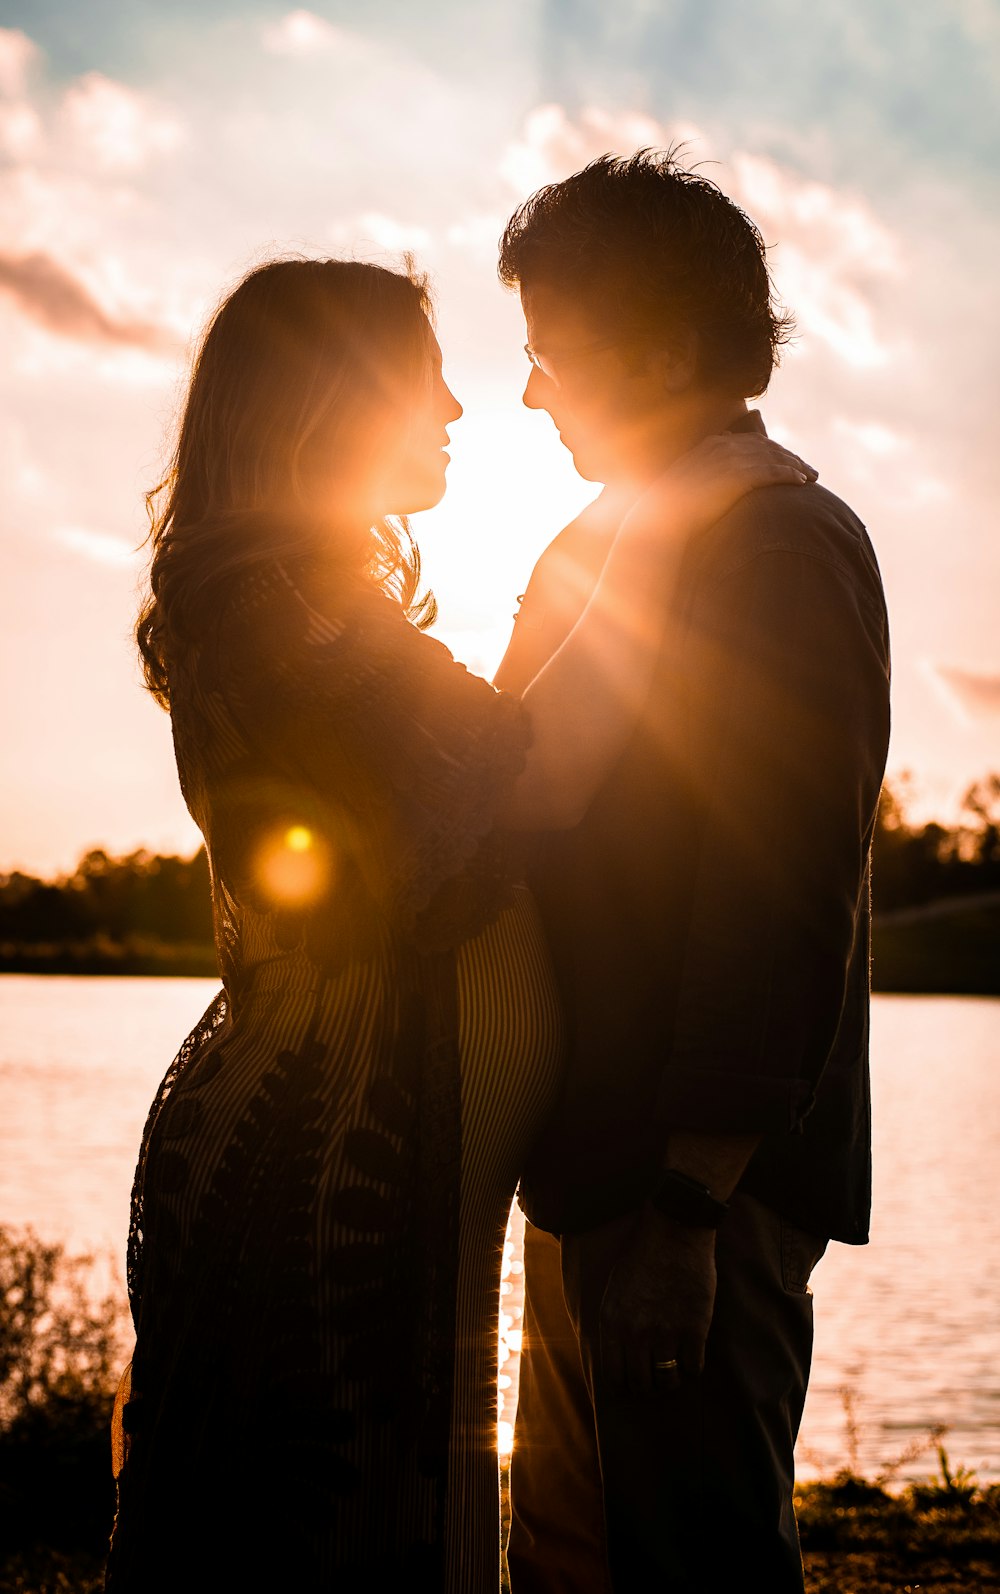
(908, 1325)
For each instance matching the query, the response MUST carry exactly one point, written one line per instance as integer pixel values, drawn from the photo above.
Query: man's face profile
(594, 395)
(616, 400)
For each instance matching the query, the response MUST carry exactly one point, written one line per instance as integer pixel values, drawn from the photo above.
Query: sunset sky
(151, 153)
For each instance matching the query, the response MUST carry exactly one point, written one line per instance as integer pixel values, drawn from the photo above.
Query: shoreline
(945, 948)
(148, 917)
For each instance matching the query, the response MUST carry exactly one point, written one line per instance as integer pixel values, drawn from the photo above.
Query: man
(709, 924)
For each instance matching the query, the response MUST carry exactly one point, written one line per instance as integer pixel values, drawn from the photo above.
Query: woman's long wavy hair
(305, 378)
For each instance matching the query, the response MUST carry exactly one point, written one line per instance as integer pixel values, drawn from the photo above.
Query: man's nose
(535, 389)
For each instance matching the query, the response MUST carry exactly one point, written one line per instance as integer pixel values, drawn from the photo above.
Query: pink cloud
(834, 256)
(115, 127)
(552, 144)
(18, 55)
(301, 33)
(978, 693)
(96, 545)
(50, 295)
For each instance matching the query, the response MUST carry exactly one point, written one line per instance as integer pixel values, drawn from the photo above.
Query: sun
(511, 488)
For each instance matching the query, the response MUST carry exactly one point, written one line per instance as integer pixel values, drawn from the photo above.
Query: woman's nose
(453, 407)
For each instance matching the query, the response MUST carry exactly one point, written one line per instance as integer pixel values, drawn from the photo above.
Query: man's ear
(673, 363)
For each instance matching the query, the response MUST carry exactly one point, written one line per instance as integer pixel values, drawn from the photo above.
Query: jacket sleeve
(787, 728)
(366, 731)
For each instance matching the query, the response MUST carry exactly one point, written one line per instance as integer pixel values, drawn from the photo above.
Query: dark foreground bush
(44, 1571)
(941, 1537)
(948, 1517)
(59, 1357)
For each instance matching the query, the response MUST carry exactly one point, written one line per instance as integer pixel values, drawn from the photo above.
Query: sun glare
(509, 1343)
(294, 867)
(511, 487)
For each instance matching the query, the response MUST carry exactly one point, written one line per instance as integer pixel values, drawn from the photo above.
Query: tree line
(143, 902)
(914, 865)
(162, 898)
(140, 914)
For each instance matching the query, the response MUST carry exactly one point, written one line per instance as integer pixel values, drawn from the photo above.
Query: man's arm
(661, 1296)
(790, 702)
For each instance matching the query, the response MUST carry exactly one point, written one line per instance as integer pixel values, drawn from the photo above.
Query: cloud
(833, 256)
(301, 33)
(23, 478)
(981, 24)
(478, 235)
(977, 692)
(396, 236)
(50, 295)
(20, 131)
(552, 145)
(20, 127)
(118, 129)
(863, 90)
(874, 437)
(847, 225)
(18, 55)
(98, 546)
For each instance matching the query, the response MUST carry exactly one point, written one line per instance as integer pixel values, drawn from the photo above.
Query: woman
(326, 1172)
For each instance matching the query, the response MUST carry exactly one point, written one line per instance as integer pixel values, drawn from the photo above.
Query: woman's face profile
(414, 470)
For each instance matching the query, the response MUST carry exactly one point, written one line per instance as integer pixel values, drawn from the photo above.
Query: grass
(939, 1536)
(942, 1534)
(865, 1535)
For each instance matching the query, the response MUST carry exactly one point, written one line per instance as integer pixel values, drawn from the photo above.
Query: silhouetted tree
(60, 1355)
(982, 802)
(147, 898)
(915, 864)
(163, 899)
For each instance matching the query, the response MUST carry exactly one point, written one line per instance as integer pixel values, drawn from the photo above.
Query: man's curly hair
(648, 246)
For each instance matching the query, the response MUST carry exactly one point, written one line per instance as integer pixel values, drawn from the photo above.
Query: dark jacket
(709, 918)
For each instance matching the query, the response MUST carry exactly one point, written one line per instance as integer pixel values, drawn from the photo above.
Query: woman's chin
(421, 497)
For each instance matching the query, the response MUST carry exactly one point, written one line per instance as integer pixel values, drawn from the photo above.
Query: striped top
(326, 1175)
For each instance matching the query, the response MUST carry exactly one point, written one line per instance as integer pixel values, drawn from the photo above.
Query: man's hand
(658, 1304)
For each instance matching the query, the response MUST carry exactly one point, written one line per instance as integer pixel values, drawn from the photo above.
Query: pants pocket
(800, 1251)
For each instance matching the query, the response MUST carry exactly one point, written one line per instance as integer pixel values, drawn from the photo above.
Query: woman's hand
(703, 485)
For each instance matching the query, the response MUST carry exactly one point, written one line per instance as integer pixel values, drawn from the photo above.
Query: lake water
(909, 1325)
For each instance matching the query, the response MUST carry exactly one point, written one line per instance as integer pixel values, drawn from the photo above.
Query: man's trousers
(687, 1491)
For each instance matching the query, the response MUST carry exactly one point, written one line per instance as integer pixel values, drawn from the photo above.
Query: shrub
(59, 1356)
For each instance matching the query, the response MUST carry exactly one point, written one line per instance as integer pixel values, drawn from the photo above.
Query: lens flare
(294, 867)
